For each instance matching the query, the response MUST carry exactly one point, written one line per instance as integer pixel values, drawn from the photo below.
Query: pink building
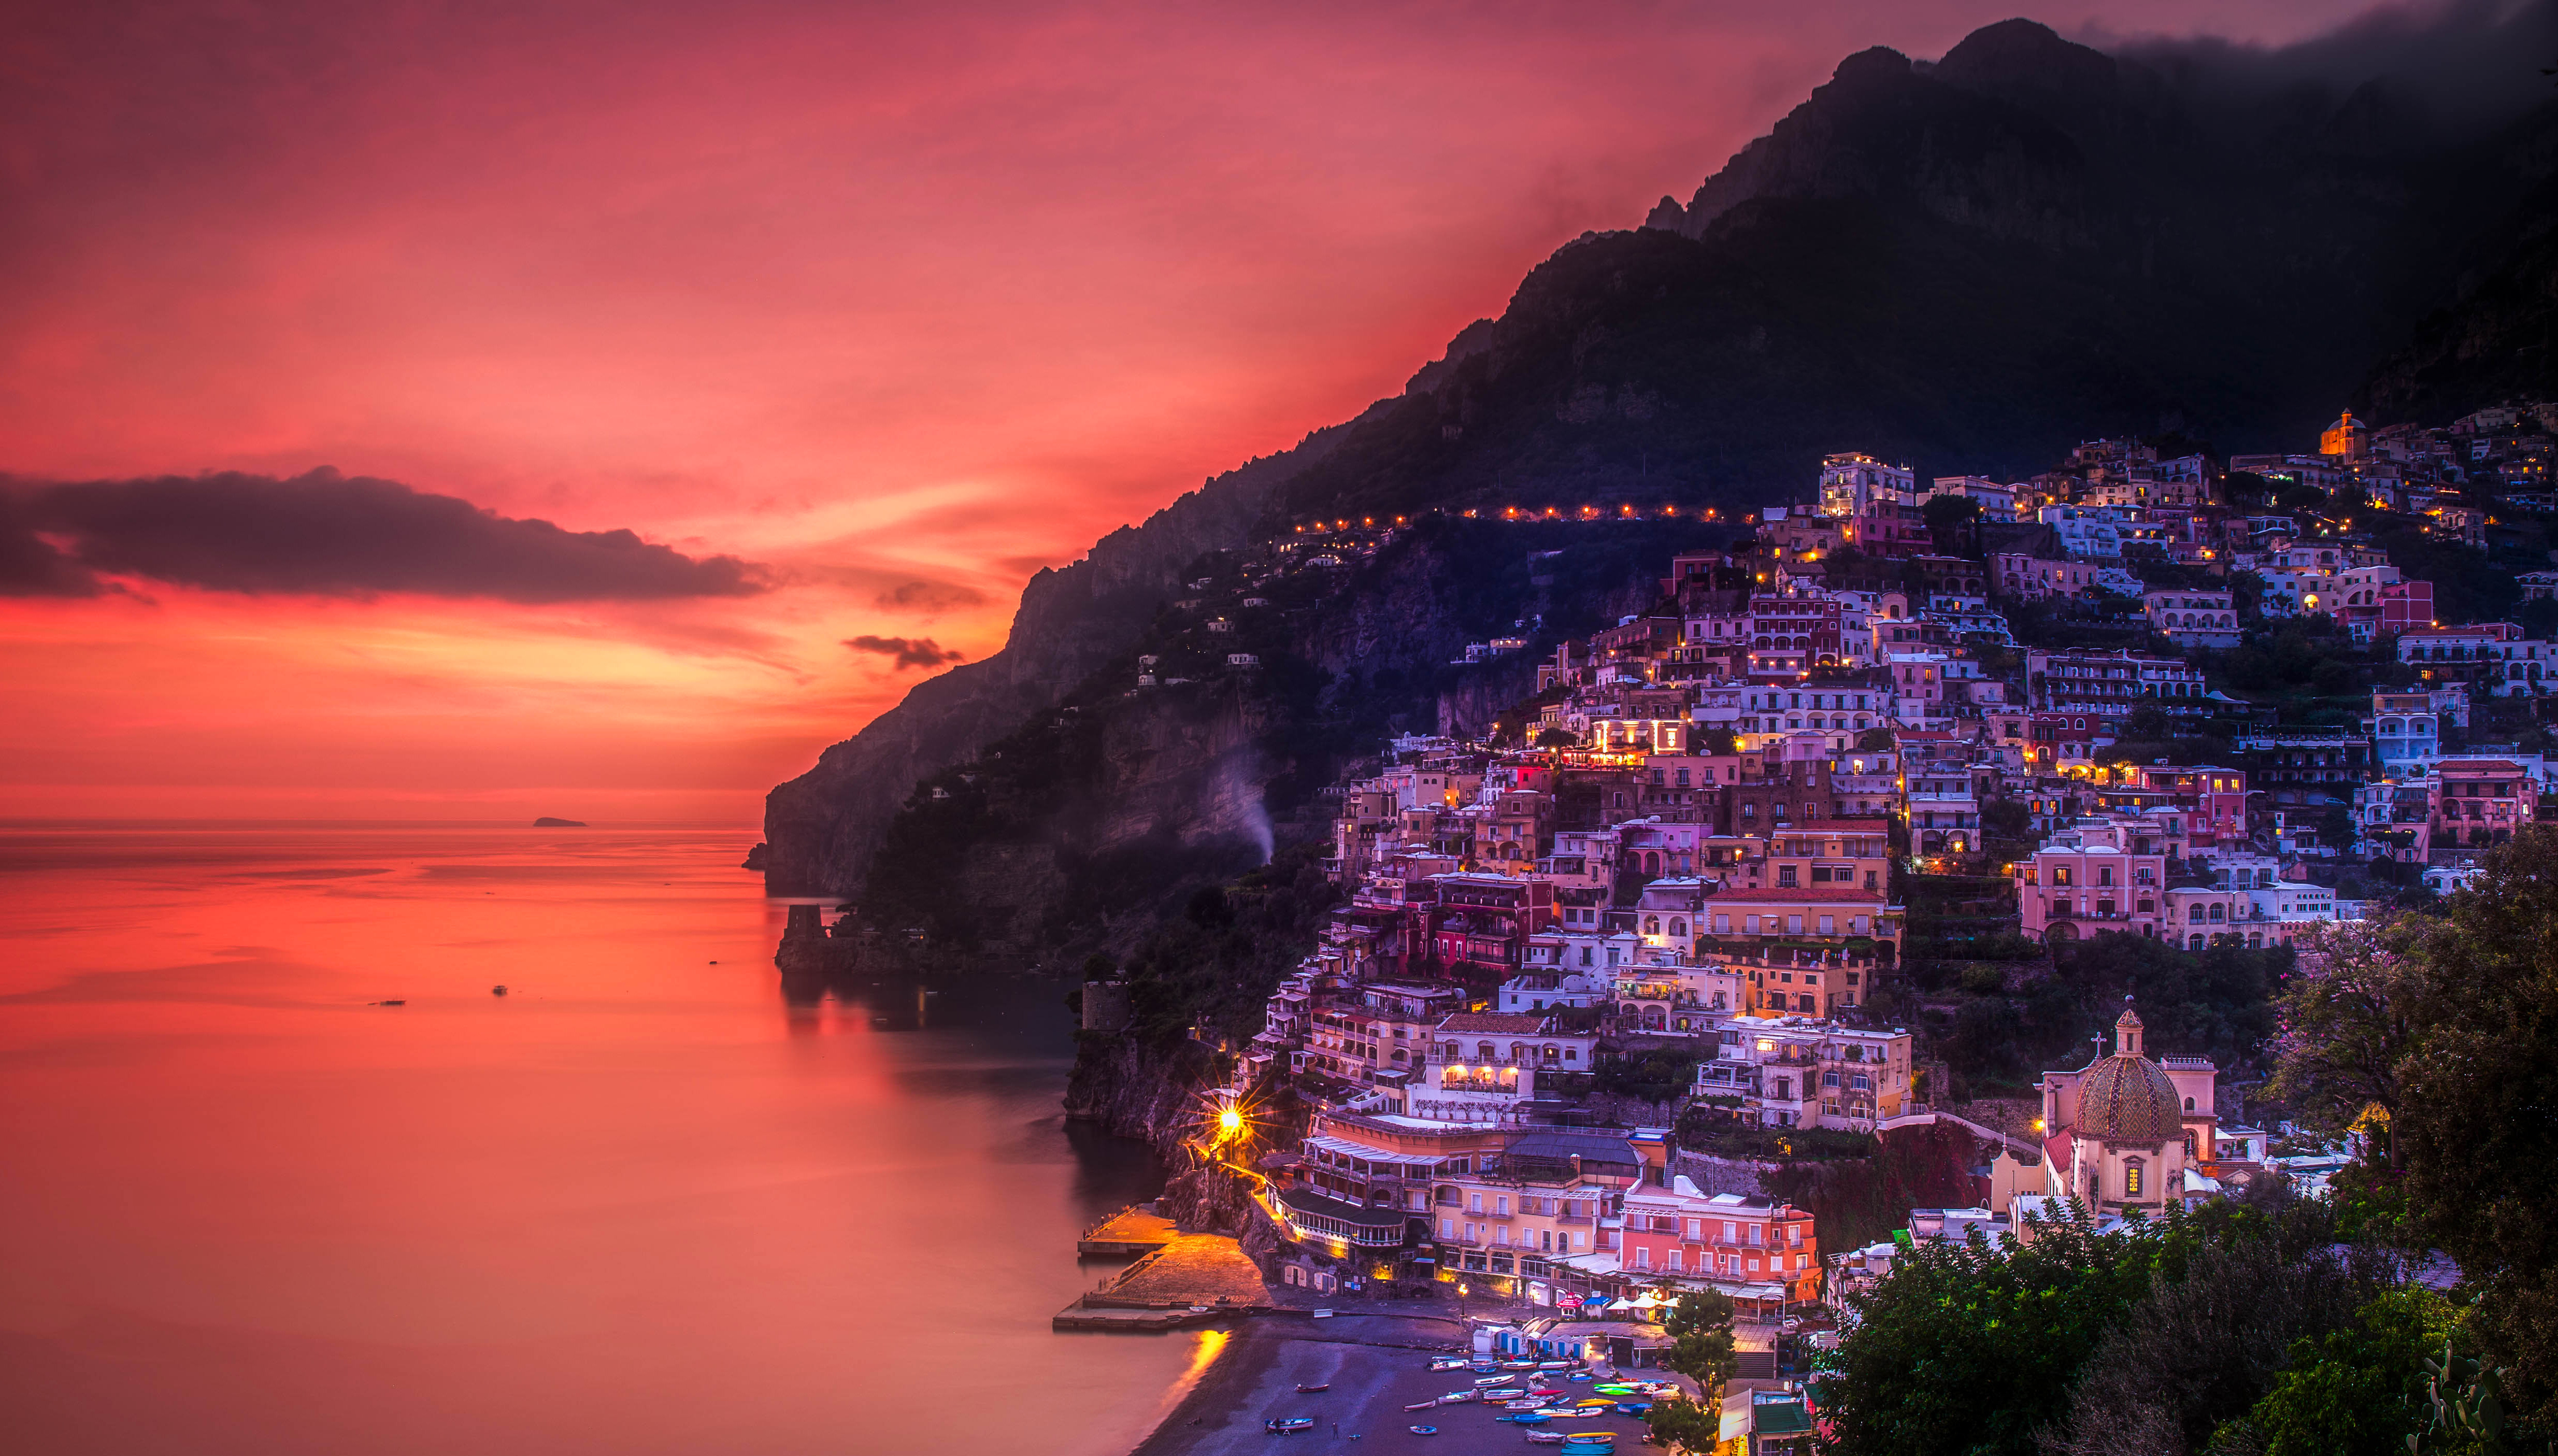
(2094, 877)
(1759, 1252)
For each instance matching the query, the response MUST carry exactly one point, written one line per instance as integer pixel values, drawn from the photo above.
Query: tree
(1559, 738)
(1684, 1426)
(2350, 1392)
(1700, 1330)
(1952, 522)
(2008, 818)
(2474, 1127)
(1970, 1348)
(2348, 1015)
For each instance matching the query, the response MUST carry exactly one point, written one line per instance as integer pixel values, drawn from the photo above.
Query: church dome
(2127, 1099)
(2126, 1096)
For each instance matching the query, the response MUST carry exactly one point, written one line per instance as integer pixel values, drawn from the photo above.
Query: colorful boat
(1580, 1374)
(1492, 1381)
(1595, 1440)
(1280, 1425)
(1634, 1407)
(1423, 1430)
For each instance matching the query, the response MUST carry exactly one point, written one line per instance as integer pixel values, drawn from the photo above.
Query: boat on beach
(1282, 1425)
(1422, 1405)
(1548, 1438)
(1311, 1389)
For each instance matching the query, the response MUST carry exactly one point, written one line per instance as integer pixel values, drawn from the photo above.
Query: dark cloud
(2449, 68)
(925, 597)
(910, 651)
(326, 534)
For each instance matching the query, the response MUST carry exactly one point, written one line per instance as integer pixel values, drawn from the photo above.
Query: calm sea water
(638, 1204)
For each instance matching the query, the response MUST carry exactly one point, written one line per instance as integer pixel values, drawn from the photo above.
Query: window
(2132, 1178)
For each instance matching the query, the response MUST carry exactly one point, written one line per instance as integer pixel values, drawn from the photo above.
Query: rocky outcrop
(822, 826)
(1130, 1088)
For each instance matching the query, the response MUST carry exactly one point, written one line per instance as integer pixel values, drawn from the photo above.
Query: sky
(479, 411)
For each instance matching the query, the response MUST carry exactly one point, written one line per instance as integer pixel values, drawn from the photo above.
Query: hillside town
(1904, 725)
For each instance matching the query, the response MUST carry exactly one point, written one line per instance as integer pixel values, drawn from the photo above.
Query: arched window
(1483, 1051)
(2131, 1178)
(2215, 913)
(2194, 912)
(1651, 924)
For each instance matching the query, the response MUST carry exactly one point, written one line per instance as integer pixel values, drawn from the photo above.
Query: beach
(1255, 1378)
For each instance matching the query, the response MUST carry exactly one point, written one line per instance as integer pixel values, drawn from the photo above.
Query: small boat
(1503, 1393)
(1634, 1407)
(1580, 1374)
(1518, 1365)
(1554, 1365)
(1548, 1438)
(1449, 1364)
(1311, 1389)
(1423, 1430)
(1492, 1381)
(1592, 1438)
(1524, 1405)
(1421, 1405)
(1455, 1398)
(1482, 1367)
(1289, 1424)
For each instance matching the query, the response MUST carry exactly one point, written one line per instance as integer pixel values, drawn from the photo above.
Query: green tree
(1700, 1330)
(2349, 1014)
(1970, 1348)
(2351, 1392)
(1684, 1426)
(2475, 1128)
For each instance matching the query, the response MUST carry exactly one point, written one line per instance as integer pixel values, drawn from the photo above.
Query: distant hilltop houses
(2146, 694)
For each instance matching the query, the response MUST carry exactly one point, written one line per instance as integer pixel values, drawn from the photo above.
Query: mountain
(1971, 265)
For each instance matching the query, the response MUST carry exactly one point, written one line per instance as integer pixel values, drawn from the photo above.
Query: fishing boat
(1548, 1438)
(1518, 1365)
(1492, 1381)
(1580, 1374)
(1524, 1405)
(1281, 1425)
(1448, 1362)
(1592, 1438)
(1454, 1398)
(1311, 1389)
(1525, 1417)
(1634, 1407)
(1554, 1365)
(1423, 1430)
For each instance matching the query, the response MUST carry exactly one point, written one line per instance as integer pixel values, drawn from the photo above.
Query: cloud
(927, 597)
(916, 652)
(330, 536)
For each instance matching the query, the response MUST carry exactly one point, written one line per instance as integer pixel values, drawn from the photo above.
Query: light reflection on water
(636, 1205)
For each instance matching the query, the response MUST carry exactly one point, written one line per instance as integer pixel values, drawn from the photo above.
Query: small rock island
(547, 823)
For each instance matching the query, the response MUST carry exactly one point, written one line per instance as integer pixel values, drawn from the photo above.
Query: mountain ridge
(1975, 262)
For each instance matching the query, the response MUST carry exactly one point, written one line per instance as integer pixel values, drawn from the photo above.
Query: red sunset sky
(873, 295)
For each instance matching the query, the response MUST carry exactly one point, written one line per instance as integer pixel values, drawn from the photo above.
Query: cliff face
(822, 826)
(1120, 799)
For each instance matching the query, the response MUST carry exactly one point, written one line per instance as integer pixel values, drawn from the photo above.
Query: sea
(281, 1173)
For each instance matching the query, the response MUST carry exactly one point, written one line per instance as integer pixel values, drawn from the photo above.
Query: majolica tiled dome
(2126, 1096)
